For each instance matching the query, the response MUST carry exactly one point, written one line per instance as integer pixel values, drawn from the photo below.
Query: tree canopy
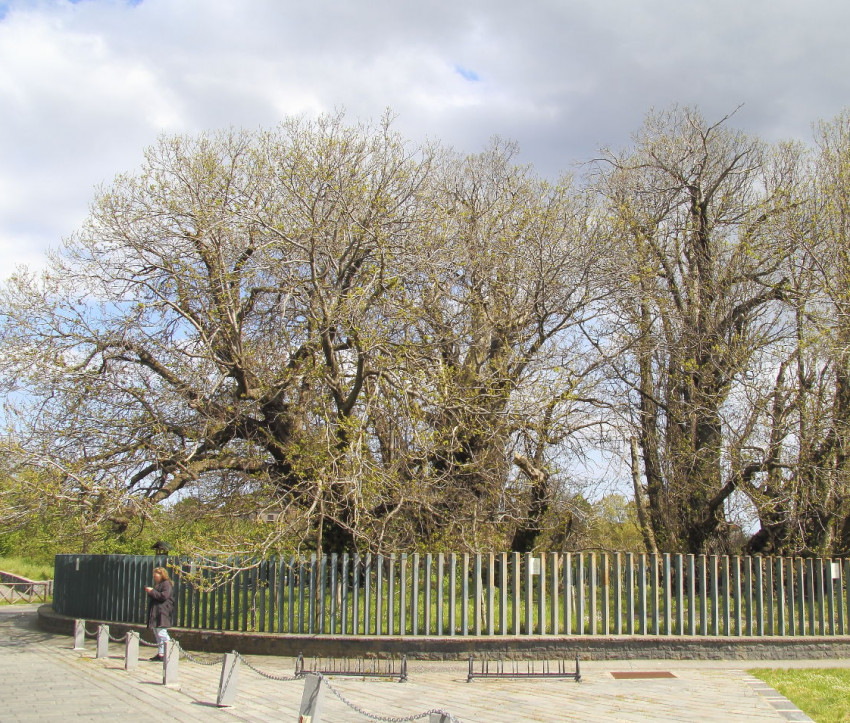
(398, 346)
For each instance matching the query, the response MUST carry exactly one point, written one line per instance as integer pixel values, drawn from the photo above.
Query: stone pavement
(44, 679)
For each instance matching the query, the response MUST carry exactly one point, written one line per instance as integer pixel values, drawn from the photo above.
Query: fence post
(441, 576)
(679, 576)
(439, 718)
(391, 596)
(426, 623)
(477, 590)
(229, 680)
(402, 588)
(515, 591)
(79, 634)
(131, 650)
(554, 626)
(465, 595)
(592, 590)
(758, 583)
(414, 595)
(580, 594)
(618, 593)
(379, 595)
(312, 700)
(654, 583)
(692, 596)
(102, 641)
(170, 671)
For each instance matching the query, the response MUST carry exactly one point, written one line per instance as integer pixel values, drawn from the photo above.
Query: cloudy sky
(86, 85)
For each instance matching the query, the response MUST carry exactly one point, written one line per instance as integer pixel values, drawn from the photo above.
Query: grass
(822, 693)
(26, 568)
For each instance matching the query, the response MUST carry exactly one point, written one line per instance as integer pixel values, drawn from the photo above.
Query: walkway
(44, 679)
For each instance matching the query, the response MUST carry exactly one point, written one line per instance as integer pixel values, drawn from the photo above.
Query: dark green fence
(583, 593)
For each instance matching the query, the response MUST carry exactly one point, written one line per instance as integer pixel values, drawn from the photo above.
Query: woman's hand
(148, 589)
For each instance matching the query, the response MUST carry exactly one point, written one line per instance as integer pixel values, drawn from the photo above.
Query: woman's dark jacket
(161, 605)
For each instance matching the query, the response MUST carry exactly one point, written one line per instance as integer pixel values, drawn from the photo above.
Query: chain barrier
(117, 640)
(299, 676)
(200, 661)
(88, 632)
(270, 676)
(386, 718)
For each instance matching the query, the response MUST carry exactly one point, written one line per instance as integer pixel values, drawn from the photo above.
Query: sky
(85, 86)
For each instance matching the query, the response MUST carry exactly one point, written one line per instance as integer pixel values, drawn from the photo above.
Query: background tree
(381, 341)
(494, 375)
(207, 324)
(803, 500)
(691, 204)
(394, 347)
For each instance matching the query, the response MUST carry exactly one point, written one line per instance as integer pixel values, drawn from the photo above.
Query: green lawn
(26, 568)
(822, 693)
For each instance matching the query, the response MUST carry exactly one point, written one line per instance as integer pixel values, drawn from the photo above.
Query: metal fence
(584, 593)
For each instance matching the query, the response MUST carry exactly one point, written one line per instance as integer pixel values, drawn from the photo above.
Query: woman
(160, 609)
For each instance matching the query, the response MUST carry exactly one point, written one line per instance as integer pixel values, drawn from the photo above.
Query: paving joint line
(778, 702)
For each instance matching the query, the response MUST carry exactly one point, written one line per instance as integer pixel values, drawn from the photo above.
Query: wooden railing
(16, 589)
(581, 593)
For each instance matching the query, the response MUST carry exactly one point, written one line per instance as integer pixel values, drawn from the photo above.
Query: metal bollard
(79, 634)
(102, 642)
(312, 700)
(131, 650)
(229, 680)
(170, 674)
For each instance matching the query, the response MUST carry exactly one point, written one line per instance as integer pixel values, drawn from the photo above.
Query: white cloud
(85, 86)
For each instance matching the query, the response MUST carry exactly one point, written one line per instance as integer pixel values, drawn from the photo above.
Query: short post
(439, 718)
(170, 662)
(102, 641)
(312, 700)
(79, 634)
(131, 650)
(229, 680)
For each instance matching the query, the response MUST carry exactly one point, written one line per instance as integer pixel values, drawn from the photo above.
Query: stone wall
(612, 647)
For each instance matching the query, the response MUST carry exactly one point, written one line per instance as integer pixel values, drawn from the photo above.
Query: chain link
(147, 644)
(186, 654)
(109, 635)
(280, 678)
(290, 678)
(386, 718)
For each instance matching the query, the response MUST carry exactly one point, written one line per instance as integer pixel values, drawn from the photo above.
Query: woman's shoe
(157, 657)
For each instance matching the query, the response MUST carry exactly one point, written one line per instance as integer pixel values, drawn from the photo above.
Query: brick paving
(44, 679)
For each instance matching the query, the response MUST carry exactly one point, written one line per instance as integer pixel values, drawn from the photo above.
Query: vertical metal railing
(563, 594)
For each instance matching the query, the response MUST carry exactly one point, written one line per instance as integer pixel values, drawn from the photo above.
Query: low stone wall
(612, 647)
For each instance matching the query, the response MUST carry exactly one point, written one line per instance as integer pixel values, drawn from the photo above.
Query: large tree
(692, 204)
(377, 340)
(209, 324)
(494, 376)
(803, 501)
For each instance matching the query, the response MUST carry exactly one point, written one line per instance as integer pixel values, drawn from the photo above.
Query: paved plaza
(44, 679)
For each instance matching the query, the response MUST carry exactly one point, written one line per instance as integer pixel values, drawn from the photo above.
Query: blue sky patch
(129, 2)
(467, 74)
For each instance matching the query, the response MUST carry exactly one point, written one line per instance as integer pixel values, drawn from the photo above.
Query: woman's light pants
(161, 635)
